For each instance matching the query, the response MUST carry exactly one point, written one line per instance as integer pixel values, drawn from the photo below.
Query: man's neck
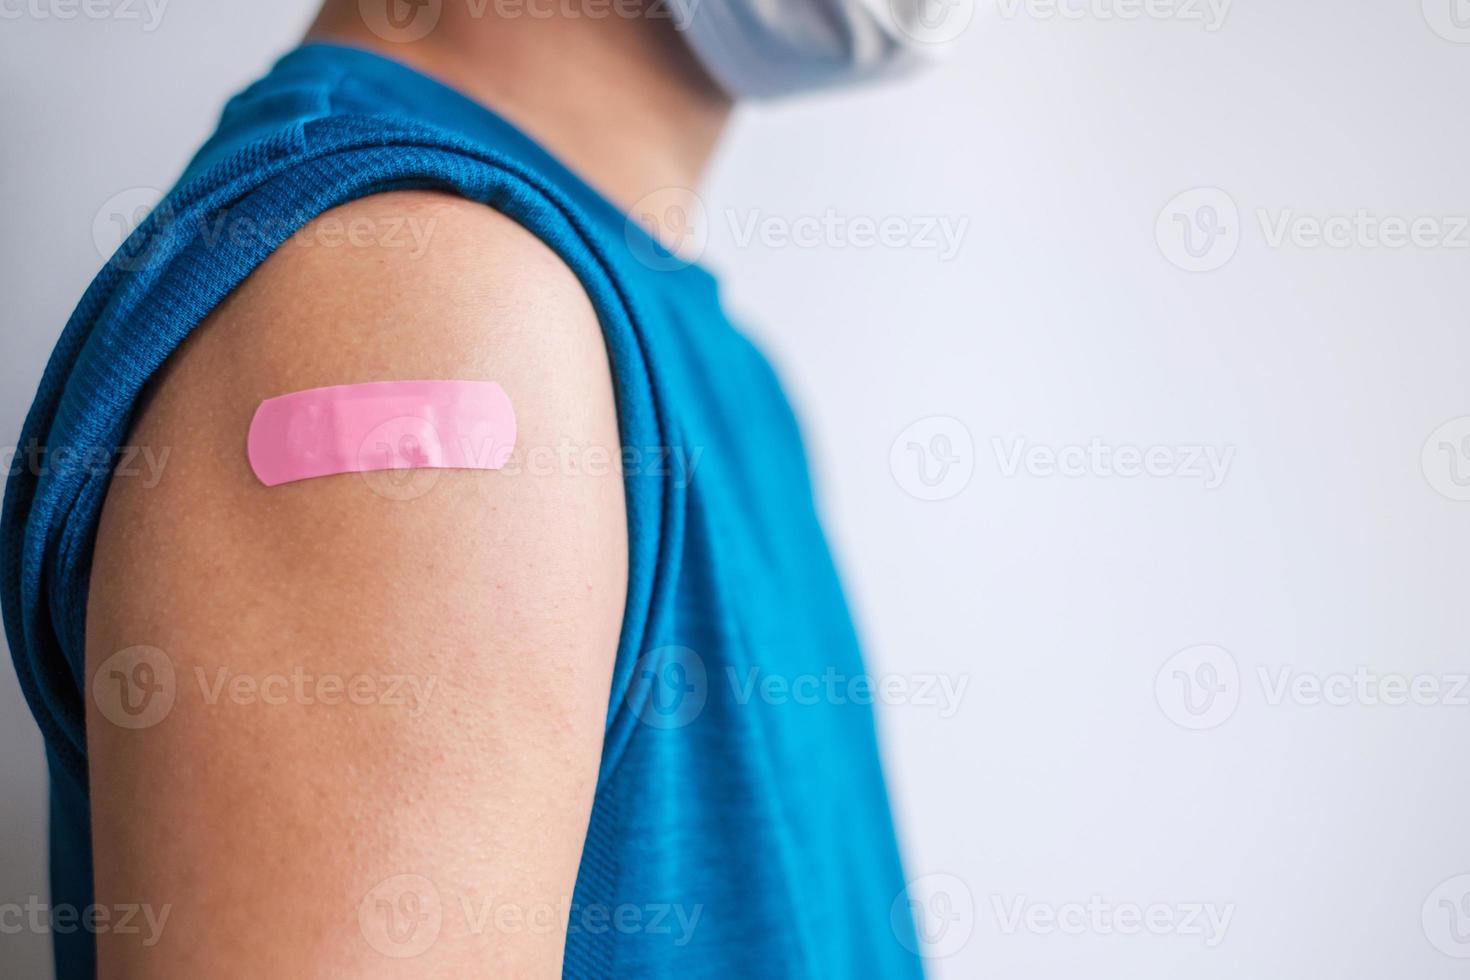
(619, 99)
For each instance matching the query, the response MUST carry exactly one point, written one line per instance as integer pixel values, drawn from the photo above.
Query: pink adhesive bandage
(392, 425)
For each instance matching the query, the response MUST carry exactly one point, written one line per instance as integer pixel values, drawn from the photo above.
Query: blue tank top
(741, 825)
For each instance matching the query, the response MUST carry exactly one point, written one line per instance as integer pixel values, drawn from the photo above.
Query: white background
(1065, 317)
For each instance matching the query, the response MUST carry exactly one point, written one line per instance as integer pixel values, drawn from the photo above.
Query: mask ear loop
(391, 425)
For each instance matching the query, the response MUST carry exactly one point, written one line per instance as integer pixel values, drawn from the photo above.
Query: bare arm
(389, 697)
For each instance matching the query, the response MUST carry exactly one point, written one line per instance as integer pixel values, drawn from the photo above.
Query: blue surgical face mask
(766, 48)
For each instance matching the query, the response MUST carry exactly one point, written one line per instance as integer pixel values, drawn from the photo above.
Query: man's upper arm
(389, 690)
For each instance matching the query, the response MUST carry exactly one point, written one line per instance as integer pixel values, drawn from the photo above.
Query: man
(516, 716)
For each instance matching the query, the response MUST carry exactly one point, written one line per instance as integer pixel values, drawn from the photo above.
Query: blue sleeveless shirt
(741, 825)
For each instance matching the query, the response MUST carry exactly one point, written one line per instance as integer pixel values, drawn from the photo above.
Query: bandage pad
(392, 425)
